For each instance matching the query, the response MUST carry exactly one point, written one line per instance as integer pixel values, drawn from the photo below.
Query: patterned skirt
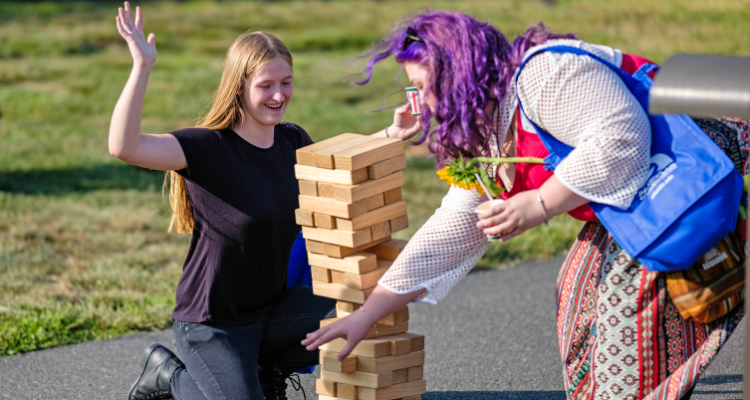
(620, 335)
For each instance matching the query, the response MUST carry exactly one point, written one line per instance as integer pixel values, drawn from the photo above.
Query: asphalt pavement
(493, 337)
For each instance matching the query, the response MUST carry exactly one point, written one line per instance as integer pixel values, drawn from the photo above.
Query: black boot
(273, 381)
(158, 363)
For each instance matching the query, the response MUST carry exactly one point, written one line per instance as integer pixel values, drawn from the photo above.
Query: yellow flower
(445, 174)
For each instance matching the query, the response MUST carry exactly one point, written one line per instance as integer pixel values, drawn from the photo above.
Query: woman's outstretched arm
(126, 142)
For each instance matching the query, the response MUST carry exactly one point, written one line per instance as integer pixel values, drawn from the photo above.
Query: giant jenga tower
(350, 204)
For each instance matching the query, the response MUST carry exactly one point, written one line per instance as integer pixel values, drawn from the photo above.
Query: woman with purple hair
(620, 335)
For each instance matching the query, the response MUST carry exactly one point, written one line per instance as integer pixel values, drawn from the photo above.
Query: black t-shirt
(243, 199)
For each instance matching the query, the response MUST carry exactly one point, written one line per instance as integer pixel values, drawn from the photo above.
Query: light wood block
(304, 217)
(379, 347)
(400, 223)
(387, 213)
(326, 190)
(324, 158)
(346, 306)
(324, 221)
(337, 236)
(417, 397)
(313, 246)
(357, 378)
(399, 376)
(400, 345)
(324, 397)
(332, 207)
(326, 388)
(398, 391)
(392, 195)
(396, 318)
(380, 230)
(338, 277)
(367, 153)
(320, 274)
(415, 373)
(330, 362)
(308, 188)
(417, 340)
(357, 263)
(380, 169)
(341, 292)
(372, 202)
(388, 250)
(341, 177)
(398, 162)
(335, 251)
(376, 331)
(355, 192)
(346, 391)
(369, 279)
(305, 155)
(391, 363)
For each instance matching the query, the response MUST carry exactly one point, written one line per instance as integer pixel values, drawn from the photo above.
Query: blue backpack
(691, 198)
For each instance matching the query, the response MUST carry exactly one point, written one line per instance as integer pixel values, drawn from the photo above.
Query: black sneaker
(273, 382)
(158, 363)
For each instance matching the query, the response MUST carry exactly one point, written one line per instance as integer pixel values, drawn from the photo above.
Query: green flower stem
(498, 161)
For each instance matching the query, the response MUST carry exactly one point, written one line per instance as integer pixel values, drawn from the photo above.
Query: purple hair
(470, 63)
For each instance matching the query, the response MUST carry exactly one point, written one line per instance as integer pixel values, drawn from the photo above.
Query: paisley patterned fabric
(620, 334)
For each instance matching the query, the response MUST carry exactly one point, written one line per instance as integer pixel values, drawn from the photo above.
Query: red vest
(532, 176)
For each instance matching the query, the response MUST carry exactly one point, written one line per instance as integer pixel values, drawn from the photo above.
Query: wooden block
(398, 162)
(417, 340)
(397, 317)
(391, 363)
(369, 279)
(380, 169)
(346, 391)
(380, 347)
(326, 190)
(388, 250)
(326, 388)
(346, 306)
(399, 223)
(399, 376)
(386, 213)
(324, 158)
(372, 202)
(417, 397)
(324, 397)
(376, 331)
(330, 362)
(356, 192)
(392, 195)
(337, 236)
(341, 292)
(357, 378)
(305, 172)
(305, 154)
(338, 278)
(398, 391)
(308, 188)
(320, 274)
(357, 263)
(400, 345)
(324, 221)
(327, 206)
(380, 230)
(415, 373)
(367, 153)
(314, 247)
(303, 217)
(343, 251)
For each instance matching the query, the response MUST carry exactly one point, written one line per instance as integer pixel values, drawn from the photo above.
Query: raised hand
(142, 50)
(404, 124)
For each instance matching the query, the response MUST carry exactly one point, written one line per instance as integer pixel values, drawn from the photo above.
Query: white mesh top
(579, 101)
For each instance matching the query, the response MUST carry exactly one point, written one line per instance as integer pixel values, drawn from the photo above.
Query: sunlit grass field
(84, 252)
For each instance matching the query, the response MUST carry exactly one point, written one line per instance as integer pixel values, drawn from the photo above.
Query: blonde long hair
(249, 52)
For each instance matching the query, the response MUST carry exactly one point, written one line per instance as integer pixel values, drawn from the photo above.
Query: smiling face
(418, 76)
(266, 94)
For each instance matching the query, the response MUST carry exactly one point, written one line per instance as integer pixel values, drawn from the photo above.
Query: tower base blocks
(350, 204)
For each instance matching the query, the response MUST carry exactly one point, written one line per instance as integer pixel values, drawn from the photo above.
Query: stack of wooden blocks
(350, 204)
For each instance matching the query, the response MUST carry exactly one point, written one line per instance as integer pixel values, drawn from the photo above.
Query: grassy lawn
(84, 252)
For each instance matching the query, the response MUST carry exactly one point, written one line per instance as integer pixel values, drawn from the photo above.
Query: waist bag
(689, 202)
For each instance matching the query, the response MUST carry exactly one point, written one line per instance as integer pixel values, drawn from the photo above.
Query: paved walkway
(493, 337)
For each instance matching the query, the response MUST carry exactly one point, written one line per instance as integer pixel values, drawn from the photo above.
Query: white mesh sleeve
(584, 104)
(442, 251)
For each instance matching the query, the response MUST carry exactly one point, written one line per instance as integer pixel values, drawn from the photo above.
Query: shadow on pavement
(499, 395)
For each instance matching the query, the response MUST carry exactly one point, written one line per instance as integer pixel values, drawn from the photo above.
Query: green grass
(84, 252)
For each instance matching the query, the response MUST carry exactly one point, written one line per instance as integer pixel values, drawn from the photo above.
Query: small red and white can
(412, 95)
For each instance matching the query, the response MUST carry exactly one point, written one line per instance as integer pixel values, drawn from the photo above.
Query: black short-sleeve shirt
(243, 199)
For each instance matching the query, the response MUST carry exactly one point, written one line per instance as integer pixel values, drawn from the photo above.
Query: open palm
(142, 50)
